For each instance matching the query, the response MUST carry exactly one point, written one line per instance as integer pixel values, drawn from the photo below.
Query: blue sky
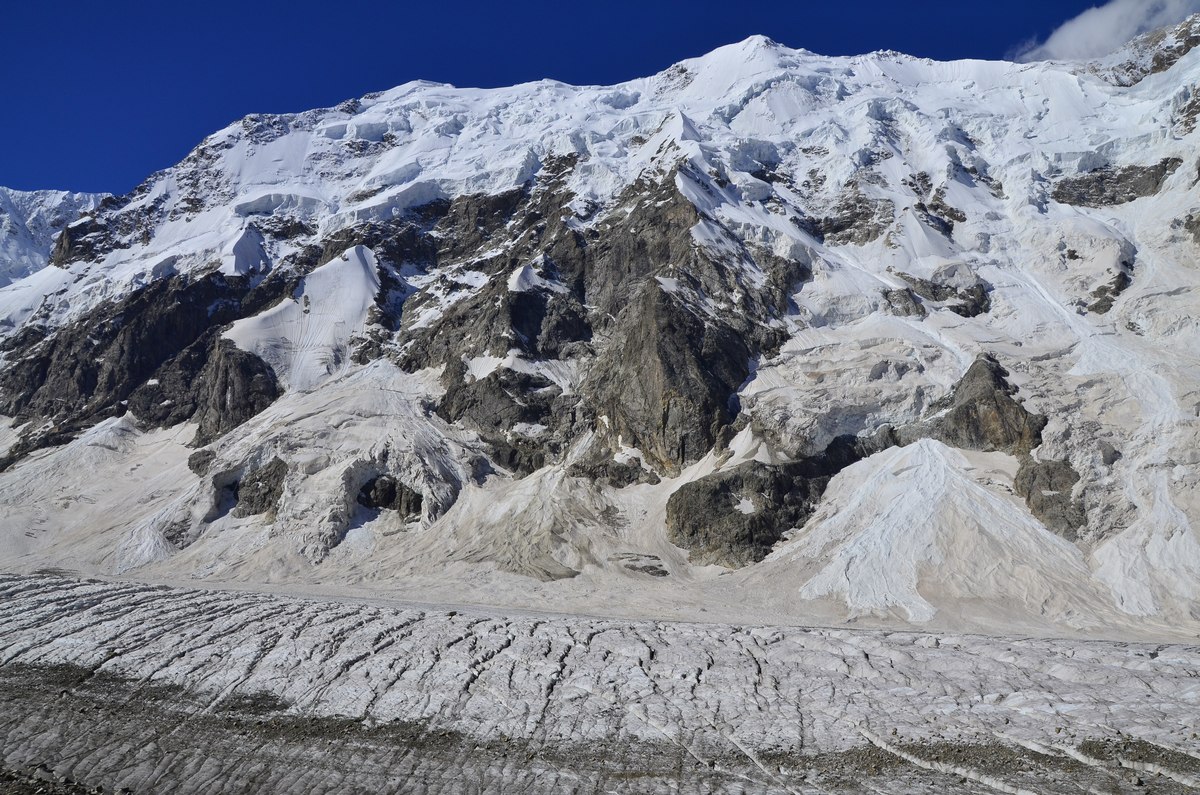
(99, 95)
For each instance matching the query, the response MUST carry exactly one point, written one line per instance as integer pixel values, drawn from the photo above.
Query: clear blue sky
(97, 95)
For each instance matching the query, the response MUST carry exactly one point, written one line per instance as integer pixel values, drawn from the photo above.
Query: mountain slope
(729, 338)
(29, 221)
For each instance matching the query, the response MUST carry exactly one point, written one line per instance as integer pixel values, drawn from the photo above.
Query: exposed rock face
(982, 414)
(1191, 223)
(971, 301)
(1046, 487)
(157, 351)
(104, 229)
(657, 286)
(1106, 295)
(211, 382)
(81, 240)
(88, 368)
(527, 298)
(514, 412)
(29, 222)
(904, 302)
(1111, 186)
(939, 214)
(932, 207)
(387, 493)
(260, 491)
(1154, 53)
(855, 220)
(200, 460)
(233, 387)
(688, 373)
(635, 289)
(736, 516)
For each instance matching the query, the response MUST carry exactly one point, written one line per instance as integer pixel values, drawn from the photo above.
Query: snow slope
(305, 340)
(917, 518)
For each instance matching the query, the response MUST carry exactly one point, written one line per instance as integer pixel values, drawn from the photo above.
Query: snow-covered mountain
(767, 336)
(29, 222)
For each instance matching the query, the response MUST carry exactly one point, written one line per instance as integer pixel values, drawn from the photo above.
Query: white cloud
(1099, 31)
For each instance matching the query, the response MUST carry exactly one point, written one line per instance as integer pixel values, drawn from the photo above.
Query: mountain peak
(757, 41)
(755, 50)
(1151, 53)
(684, 306)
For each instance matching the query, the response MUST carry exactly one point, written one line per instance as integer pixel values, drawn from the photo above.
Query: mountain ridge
(598, 345)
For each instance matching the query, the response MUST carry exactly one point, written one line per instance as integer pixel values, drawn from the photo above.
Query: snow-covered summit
(748, 106)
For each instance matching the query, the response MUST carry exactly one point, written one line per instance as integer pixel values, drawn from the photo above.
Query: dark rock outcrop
(117, 223)
(982, 414)
(497, 405)
(82, 240)
(157, 351)
(1046, 487)
(233, 387)
(1155, 52)
(386, 493)
(260, 491)
(666, 383)
(1106, 295)
(640, 563)
(670, 355)
(474, 313)
(1191, 223)
(212, 382)
(610, 472)
(1109, 186)
(939, 213)
(200, 461)
(88, 367)
(628, 302)
(903, 302)
(736, 516)
(855, 220)
(929, 290)
(972, 301)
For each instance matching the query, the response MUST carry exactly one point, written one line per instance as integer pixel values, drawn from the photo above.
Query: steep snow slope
(305, 340)
(917, 519)
(896, 341)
